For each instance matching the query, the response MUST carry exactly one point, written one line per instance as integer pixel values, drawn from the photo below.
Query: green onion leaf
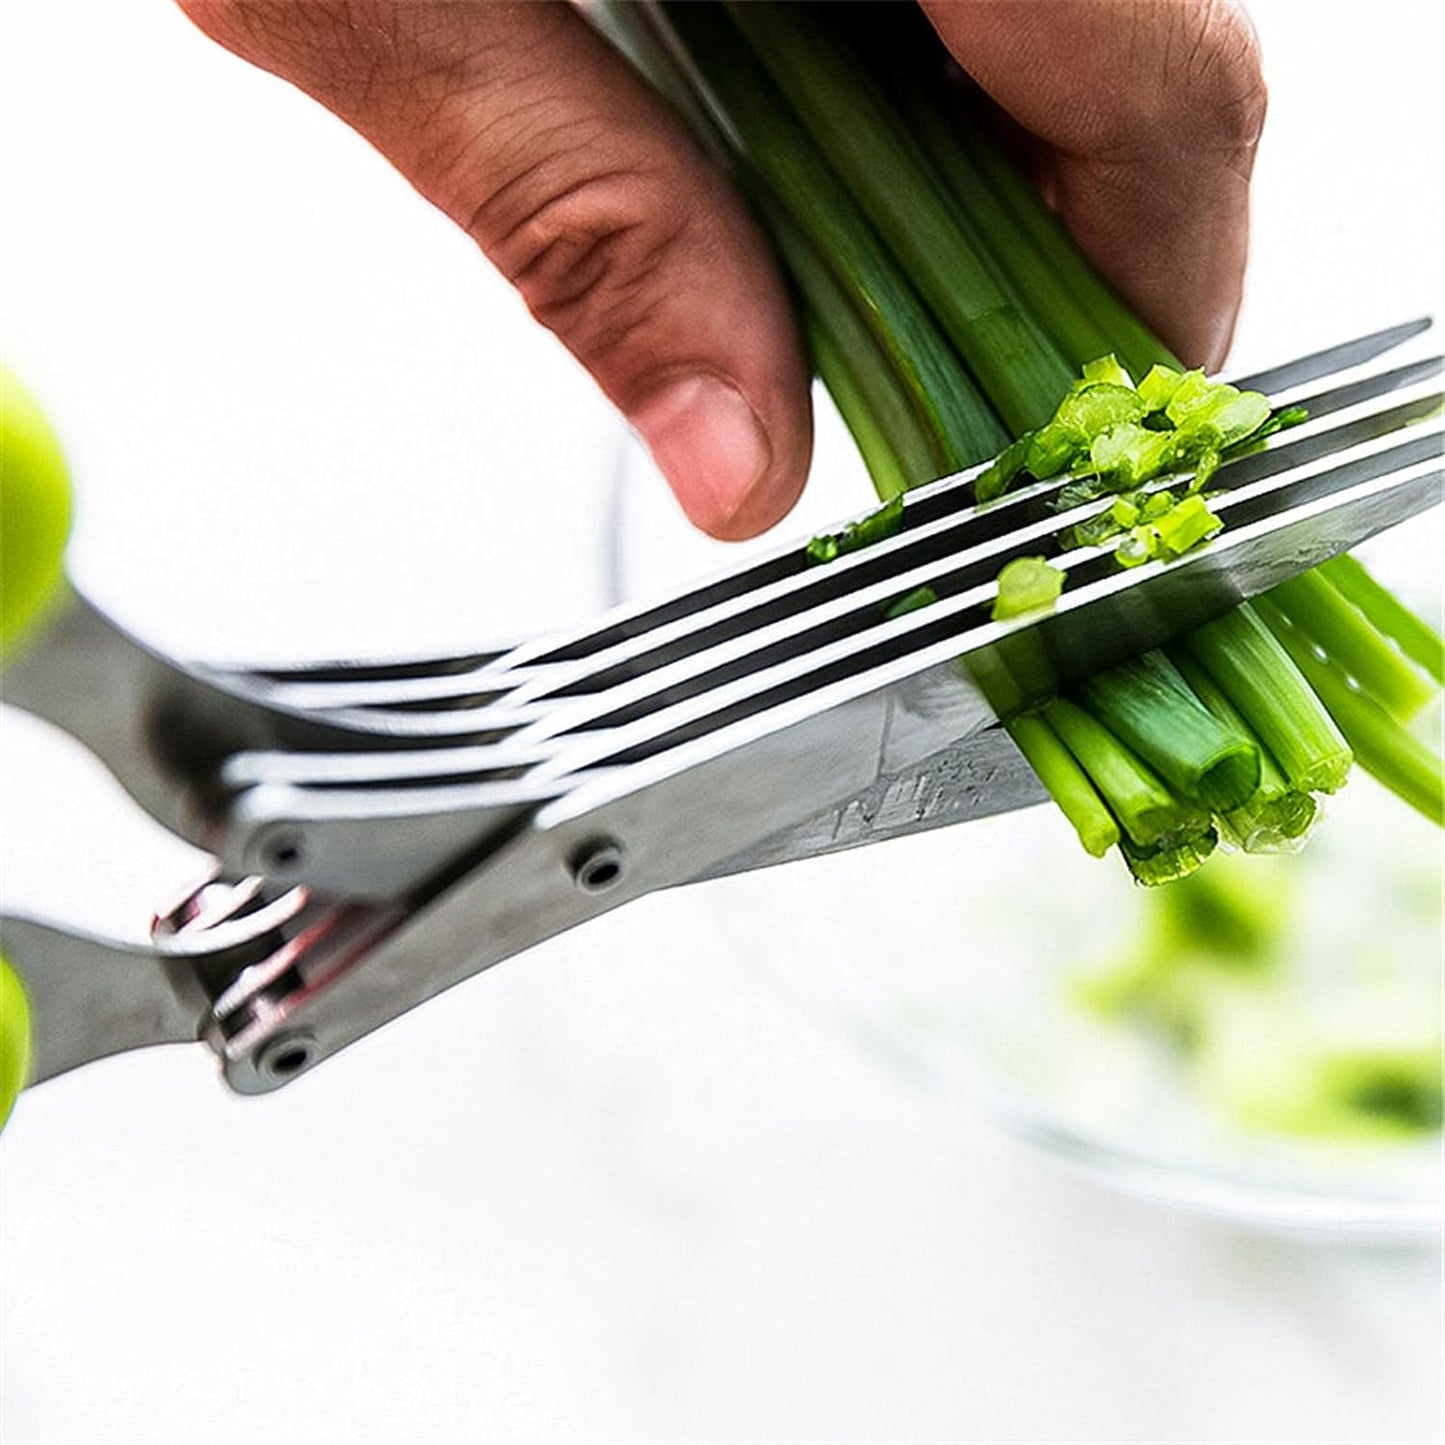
(1150, 707)
(1066, 781)
(1275, 818)
(1416, 639)
(1385, 749)
(1147, 810)
(1246, 659)
(1349, 640)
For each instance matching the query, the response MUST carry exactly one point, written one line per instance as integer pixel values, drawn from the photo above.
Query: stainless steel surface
(633, 658)
(92, 996)
(1367, 459)
(423, 681)
(164, 728)
(446, 814)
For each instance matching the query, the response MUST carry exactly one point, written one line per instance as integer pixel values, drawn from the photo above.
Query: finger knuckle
(589, 253)
(1195, 83)
(1223, 76)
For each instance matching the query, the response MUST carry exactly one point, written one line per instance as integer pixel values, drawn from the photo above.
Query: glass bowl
(987, 962)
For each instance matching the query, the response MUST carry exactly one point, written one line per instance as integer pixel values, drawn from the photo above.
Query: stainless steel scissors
(384, 830)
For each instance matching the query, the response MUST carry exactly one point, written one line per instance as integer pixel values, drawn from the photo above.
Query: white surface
(620, 1189)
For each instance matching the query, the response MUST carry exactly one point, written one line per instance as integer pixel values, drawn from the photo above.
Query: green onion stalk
(955, 322)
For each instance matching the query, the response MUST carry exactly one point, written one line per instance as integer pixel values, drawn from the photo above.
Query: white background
(622, 1188)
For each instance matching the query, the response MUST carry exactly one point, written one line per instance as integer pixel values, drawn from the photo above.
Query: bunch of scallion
(954, 321)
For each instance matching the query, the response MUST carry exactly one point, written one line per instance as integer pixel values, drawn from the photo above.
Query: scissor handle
(35, 515)
(35, 510)
(14, 1038)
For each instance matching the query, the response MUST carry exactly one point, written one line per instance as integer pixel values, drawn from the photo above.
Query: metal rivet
(285, 1056)
(597, 865)
(281, 851)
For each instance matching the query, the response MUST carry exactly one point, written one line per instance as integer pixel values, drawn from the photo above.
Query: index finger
(1152, 110)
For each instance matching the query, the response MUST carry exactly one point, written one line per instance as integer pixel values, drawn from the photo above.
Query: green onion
(1398, 1091)
(1416, 639)
(1060, 309)
(1149, 813)
(1385, 749)
(877, 526)
(945, 307)
(782, 159)
(895, 455)
(1352, 642)
(1058, 253)
(1156, 866)
(1066, 781)
(1020, 371)
(1150, 707)
(1243, 656)
(902, 438)
(1025, 585)
(1130, 454)
(910, 602)
(1114, 437)
(1275, 818)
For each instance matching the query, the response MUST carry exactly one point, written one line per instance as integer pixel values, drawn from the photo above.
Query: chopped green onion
(1159, 386)
(911, 602)
(1185, 525)
(1025, 585)
(1087, 412)
(1129, 454)
(1219, 417)
(1397, 1090)
(1281, 421)
(994, 480)
(877, 526)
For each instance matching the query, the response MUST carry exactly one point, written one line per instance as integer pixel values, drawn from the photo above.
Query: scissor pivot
(598, 865)
(282, 1058)
(280, 852)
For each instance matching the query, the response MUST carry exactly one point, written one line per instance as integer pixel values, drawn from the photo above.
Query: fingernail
(709, 444)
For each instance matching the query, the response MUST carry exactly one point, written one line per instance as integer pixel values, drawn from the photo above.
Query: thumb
(578, 182)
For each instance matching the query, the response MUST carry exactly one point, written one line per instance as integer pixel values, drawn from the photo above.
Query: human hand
(578, 182)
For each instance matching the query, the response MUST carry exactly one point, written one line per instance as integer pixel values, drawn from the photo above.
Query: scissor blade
(734, 651)
(424, 682)
(647, 667)
(1317, 364)
(896, 706)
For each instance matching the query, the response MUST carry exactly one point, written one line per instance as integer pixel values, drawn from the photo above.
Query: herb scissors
(383, 830)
